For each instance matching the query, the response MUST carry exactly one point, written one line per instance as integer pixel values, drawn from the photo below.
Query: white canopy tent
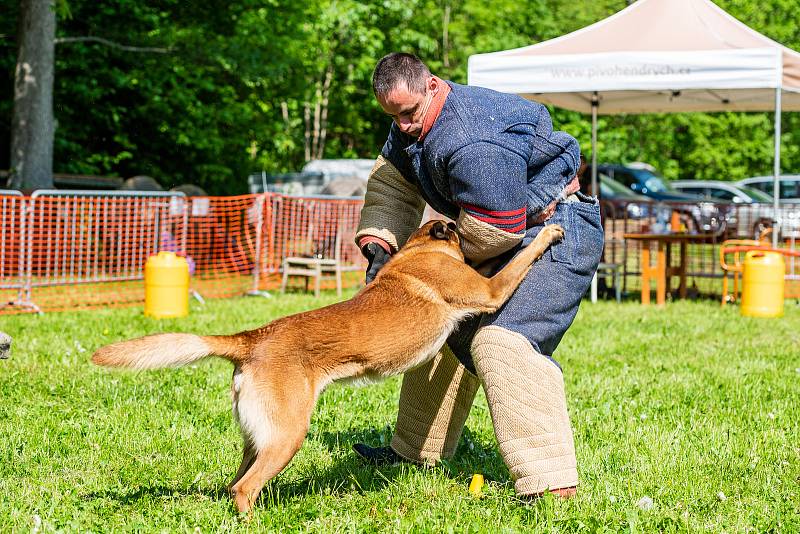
(655, 56)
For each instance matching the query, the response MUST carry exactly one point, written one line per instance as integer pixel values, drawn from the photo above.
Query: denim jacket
(492, 154)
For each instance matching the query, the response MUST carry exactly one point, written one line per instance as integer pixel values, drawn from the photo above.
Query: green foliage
(239, 85)
(692, 406)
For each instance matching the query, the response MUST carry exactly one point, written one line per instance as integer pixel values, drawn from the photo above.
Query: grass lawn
(692, 406)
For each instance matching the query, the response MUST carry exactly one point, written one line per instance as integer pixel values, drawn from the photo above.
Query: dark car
(646, 181)
(704, 216)
(636, 206)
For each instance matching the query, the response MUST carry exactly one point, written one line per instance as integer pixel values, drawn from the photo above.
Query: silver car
(751, 209)
(789, 186)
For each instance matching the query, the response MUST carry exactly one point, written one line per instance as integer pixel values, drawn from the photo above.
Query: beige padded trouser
(434, 403)
(526, 397)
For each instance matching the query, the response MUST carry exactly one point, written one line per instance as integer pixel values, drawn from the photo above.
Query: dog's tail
(170, 350)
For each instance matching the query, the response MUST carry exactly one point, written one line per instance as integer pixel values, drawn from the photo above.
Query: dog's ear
(439, 230)
(452, 226)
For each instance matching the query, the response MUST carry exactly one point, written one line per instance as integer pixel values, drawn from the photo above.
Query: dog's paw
(553, 233)
(241, 499)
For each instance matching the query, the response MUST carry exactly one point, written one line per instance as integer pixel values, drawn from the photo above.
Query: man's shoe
(378, 455)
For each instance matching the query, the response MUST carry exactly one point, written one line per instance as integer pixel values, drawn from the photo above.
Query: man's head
(404, 88)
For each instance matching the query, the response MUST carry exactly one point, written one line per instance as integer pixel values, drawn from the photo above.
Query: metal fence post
(95, 237)
(13, 221)
(259, 206)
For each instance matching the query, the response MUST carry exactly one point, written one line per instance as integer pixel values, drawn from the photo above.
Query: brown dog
(415, 302)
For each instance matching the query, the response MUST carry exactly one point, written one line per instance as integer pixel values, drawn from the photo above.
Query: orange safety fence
(62, 250)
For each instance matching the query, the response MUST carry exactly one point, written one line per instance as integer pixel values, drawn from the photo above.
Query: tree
(32, 127)
(225, 88)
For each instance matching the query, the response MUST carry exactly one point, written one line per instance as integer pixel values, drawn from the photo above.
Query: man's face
(408, 109)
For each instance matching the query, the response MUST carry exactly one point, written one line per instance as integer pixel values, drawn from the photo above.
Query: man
(492, 163)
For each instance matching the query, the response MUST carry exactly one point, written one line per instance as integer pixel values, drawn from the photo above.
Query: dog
(395, 323)
(5, 346)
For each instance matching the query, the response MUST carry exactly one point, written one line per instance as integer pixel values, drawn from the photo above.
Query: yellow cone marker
(476, 484)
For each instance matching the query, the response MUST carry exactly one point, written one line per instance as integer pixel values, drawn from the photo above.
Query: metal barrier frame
(172, 207)
(261, 205)
(22, 286)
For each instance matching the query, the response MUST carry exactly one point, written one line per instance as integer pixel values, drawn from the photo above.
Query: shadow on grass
(351, 474)
(134, 496)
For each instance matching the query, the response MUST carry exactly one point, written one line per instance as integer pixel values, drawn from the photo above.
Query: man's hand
(377, 257)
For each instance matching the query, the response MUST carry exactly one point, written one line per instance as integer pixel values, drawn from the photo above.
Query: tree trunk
(316, 124)
(322, 124)
(32, 126)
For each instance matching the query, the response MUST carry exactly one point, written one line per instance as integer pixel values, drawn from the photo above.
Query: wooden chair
(316, 267)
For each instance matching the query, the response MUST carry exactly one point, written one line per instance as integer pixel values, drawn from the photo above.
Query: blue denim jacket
(492, 154)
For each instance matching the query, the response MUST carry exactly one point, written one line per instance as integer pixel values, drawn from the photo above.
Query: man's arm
(392, 208)
(554, 162)
(489, 185)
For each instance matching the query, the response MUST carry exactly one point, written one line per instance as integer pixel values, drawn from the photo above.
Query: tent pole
(595, 103)
(776, 183)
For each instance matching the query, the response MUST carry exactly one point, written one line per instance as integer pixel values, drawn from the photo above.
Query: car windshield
(790, 186)
(613, 187)
(652, 181)
(755, 194)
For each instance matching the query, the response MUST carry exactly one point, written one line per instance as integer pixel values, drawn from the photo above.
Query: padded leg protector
(526, 398)
(434, 403)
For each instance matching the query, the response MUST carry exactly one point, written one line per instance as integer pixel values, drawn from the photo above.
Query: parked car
(619, 202)
(642, 178)
(725, 191)
(789, 186)
(636, 206)
(751, 212)
(645, 180)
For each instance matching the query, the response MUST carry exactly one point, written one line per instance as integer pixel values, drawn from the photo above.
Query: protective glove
(377, 257)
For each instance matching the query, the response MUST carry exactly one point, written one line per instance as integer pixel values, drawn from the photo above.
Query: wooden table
(663, 270)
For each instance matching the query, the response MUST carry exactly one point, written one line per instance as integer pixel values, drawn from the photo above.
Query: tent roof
(655, 55)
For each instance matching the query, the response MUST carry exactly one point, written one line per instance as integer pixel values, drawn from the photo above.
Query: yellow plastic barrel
(166, 286)
(763, 284)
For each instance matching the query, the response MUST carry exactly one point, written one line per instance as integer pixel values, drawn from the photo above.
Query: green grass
(682, 405)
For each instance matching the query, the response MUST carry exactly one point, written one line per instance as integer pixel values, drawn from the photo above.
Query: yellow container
(166, 286)
(476, 485)
(763, 284)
